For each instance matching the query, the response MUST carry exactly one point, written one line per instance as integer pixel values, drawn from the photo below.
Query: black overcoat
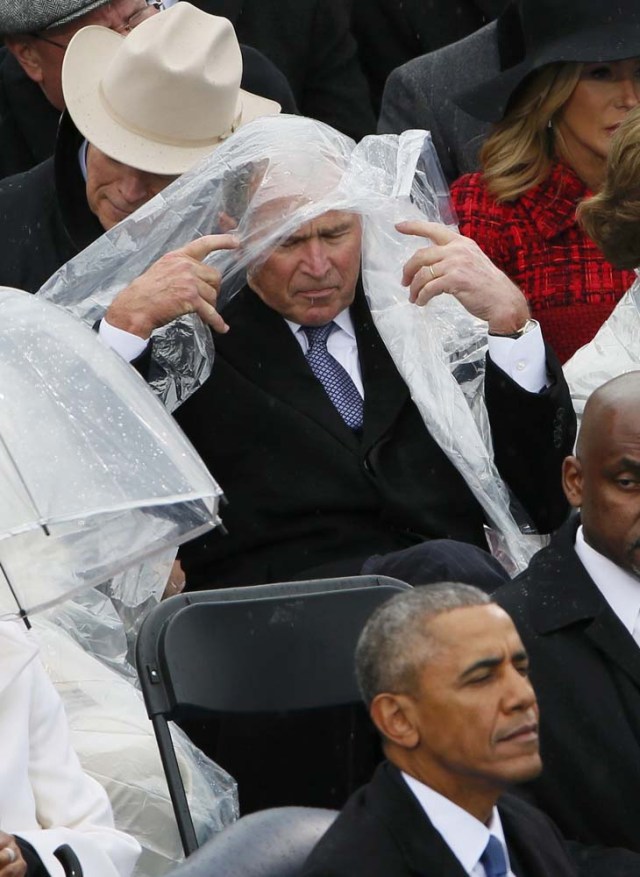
(585, 668)
(307, 496)
(383, 832)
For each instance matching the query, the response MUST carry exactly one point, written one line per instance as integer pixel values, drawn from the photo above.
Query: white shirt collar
(619, 588)
(343, 320)
(465, 835)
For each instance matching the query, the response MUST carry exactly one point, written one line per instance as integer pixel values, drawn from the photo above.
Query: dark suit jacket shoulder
(585, 668)
(35, 241)
(383, 832)
(421, 94)
(390, 33)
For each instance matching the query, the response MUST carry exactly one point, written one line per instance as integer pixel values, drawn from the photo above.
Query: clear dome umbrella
(95, 476)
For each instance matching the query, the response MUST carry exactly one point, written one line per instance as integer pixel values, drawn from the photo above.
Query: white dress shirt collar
(619, 588)
(341, 344)
(465, 835)
(343, 320)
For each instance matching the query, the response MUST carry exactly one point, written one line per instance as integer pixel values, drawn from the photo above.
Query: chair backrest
(271, 843)
(256, 650)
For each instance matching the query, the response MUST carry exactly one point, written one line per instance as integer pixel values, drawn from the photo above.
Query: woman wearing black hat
(570, 74)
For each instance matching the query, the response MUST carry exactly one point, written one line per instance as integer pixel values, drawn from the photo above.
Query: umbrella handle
(69, 861)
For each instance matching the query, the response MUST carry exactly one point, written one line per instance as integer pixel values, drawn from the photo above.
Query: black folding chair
(259, 651)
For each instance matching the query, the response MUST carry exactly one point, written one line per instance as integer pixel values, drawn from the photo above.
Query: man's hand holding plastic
(456, 264)
(178, 283)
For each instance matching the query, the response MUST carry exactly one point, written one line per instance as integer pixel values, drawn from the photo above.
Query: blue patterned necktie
(494, 859)
(334, 378)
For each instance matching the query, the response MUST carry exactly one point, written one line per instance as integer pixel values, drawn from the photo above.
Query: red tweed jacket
(536, 240)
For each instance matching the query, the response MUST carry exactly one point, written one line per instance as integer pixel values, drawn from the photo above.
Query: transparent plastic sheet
(440, 349)
(267, 180)
(98, 476)
(116, 745)
(105, 620)
(614, 350)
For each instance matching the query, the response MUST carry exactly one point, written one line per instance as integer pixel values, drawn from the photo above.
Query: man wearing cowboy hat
(140, 111)
(37, 34)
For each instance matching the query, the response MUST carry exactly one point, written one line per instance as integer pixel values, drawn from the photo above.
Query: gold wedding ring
(433, 273)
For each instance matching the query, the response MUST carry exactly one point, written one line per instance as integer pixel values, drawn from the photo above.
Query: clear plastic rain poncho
(272, 176)
(614, 350)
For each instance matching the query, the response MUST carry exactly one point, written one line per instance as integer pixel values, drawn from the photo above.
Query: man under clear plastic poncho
(445, 442)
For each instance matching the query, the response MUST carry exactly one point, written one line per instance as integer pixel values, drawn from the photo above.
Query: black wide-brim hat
(533, 33)
(31, 16)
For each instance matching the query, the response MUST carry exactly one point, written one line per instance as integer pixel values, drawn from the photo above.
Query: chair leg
(176, 785)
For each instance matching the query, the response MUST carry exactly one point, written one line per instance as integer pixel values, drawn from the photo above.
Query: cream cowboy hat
(164, 96)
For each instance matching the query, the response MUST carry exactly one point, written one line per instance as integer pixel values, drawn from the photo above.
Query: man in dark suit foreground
(445, 676)
(577, 609)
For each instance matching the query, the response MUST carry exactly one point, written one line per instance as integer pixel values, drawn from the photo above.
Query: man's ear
(572, 480)
(24, 48)
(392, 714)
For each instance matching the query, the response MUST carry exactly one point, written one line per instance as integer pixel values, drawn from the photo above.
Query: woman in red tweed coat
(556, 105)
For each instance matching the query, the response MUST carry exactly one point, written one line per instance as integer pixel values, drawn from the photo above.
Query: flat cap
(27, 16)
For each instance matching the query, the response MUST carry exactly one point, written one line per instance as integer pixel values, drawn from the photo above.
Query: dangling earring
(549, 125)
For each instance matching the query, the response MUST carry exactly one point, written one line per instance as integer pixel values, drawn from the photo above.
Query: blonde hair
(519, 152)
(612, 217)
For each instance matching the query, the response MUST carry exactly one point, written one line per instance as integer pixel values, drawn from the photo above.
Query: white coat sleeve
(70, 806)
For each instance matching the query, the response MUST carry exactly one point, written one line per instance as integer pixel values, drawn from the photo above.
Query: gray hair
(396, 640)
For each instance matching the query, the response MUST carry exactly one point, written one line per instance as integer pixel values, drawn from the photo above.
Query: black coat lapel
(261, 347)
(535, 849)
(385, 391)
(611, 637)
(423, 848)
(581, 602)
(81, 225)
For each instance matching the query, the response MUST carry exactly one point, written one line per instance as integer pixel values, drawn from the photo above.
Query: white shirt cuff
(523, 358)
(125, 344)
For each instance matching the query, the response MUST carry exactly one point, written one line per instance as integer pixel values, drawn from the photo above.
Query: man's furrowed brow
(297, 238)
(338, 228)
(628, 464)
(490, 663)
(482, 664)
